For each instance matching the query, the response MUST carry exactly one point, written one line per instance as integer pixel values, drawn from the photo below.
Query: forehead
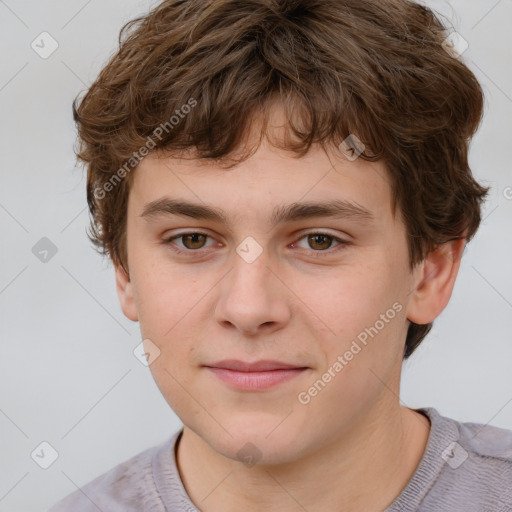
(271, 185)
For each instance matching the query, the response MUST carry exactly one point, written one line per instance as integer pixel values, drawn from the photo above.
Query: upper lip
(257, 366)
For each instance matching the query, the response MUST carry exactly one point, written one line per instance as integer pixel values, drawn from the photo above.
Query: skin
(353, 447)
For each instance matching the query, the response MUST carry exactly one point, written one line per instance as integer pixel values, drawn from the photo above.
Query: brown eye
(193, 240)
(319, 242)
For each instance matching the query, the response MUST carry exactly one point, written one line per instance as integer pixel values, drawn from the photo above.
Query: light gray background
(67, 372)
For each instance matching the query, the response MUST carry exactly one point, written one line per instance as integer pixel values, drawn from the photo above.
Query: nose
(252, 298)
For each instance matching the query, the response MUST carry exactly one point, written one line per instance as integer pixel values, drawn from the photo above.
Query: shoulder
(476, 465)
(127, 487)
(487, 441)
(489, 458)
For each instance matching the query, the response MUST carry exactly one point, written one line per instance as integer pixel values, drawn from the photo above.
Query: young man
(284, 190)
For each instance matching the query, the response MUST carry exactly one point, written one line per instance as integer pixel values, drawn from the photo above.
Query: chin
(255, 443)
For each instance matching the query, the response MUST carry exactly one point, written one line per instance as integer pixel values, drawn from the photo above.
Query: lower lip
(252, 381)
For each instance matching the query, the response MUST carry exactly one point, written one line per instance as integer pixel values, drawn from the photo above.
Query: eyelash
(317, 254)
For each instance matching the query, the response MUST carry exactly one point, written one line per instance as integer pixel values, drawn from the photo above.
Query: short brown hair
(375, 69)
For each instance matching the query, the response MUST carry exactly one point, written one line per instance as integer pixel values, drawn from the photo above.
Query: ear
(434, 282)
(125, 293)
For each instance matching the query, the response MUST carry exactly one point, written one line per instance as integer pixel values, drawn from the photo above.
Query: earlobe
(125, 293)
(434, 282)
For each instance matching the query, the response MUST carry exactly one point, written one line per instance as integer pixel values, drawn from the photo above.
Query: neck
(365, 469)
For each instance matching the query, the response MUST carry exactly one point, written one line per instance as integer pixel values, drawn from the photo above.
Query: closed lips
(257, 366)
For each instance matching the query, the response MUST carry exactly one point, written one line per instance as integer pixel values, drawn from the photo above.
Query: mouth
(259, 375)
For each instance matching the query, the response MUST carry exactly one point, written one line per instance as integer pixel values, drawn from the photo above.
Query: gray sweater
(466, 467)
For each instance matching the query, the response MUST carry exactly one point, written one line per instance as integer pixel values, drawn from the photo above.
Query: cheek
(362, 318)
(164, 297)
(348, 299)
(171, 306)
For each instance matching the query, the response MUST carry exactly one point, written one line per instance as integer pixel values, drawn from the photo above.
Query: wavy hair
(377, 69)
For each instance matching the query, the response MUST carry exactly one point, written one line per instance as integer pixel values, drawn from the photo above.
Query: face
(327, 294)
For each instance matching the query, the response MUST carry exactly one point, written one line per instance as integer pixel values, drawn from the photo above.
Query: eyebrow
(337, 209)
